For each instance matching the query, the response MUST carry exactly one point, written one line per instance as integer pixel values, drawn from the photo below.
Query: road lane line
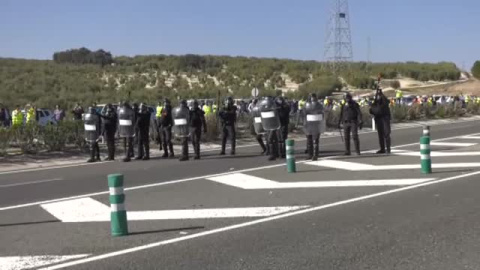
(245, 181)
(417, 125)
(90, 210)
(452, 144)
(436, 153)
(31, 183)
(354, 166)
(27, 262)
(188, 179)
(254, 222)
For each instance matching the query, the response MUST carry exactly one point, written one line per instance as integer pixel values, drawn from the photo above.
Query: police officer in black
(197, 122)
(166, 123)
(135, 137)
(259, 136)
(284, 113)
(110, 119)
(228, 117)
(381, 111)
(143, 129)
(351, 119)
(93, 130)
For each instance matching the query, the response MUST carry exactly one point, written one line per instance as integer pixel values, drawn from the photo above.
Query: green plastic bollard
(118, 215)
(291, 166)
(425, 155)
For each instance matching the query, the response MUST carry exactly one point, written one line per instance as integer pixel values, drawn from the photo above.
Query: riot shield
(91, 124)
(181, 120)
(257, 120)
(314, 118)
(269, 114)
(126, 118)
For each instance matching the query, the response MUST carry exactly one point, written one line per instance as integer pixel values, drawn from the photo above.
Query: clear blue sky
(400, 30)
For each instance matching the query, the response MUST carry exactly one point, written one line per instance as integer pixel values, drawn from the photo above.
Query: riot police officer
(126, 118)
(381, 111)
(257, 125)
(92, 133)
(228, 117)
(181, 128)
(166, 124)
(143, 129)
(135, 137)
(110, 119)
(313, 126)
(351, 119)
(271, 123)
(197, 122)
(284, 114)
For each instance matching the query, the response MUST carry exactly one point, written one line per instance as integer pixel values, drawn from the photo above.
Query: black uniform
(166, 123)
(228, 116)
(110, 120)
(135, 137)
(351, 118)
(381, 111)
(197, 121)
(143, 129)
(284, 114)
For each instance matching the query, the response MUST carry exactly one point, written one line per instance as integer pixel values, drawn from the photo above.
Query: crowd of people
(270, 115)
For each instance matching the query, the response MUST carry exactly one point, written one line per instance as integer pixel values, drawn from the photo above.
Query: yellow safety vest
(159, 111)
(301, 104)
(207, 109)
(214, 108)
(31, 115)
(399, 94)
(17, 118)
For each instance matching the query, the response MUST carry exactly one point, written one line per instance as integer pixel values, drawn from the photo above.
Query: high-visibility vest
(159, 111)
(301, 104)
(467, 99)
(207, 109)
(399, 94)
(17, 118)
(31, 115)
(214, 107)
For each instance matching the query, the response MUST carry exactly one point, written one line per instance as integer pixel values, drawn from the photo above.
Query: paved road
(243, 212)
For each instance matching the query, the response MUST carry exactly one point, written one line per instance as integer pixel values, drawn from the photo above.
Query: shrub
(54, 137)
(399, 113)
(26, 137)
(213, 128)
(5, 139)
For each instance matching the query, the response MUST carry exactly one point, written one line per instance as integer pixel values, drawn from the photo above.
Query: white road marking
(353, 166)
(245, 181)
(188, 179)
(27, 262)
(471, 137)
(254, 222)
(31, 183)
(90, 210)
(452, 144)
(436, 153)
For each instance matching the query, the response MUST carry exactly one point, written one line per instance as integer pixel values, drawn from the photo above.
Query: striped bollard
(118, 215)
(291, 167)
(425, 155)
(426, 131)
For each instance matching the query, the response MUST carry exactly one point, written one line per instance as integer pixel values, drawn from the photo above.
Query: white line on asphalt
(246, 146)
(186, 180)
(254, 222)
(436, 153)
(245, 181)
(31, 183)
(27, 262)
(354, 166)
(452, 144)
(471, 137)
(90, 210)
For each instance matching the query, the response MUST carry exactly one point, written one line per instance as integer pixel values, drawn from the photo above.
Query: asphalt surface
(430, 223)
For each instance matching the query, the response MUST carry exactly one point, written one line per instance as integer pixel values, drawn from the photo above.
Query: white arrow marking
(436, 153)
(90, 210)
(27, 262)
(353, 166)
(245, 181)
(452, 144)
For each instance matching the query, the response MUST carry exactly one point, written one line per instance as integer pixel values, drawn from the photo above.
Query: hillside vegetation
(84, 76)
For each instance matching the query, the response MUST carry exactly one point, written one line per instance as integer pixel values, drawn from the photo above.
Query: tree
(476, 70)
(395, 84)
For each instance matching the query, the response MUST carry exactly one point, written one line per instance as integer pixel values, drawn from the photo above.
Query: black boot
(147, 152)
(388, 143)
(357, 147)
(165, 151)
(170, 147)
(316, 152)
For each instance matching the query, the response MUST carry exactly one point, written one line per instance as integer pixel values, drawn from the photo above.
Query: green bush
(26, 138)
(213, 128)
(54, 137)
(5, 140)
(399, 113)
